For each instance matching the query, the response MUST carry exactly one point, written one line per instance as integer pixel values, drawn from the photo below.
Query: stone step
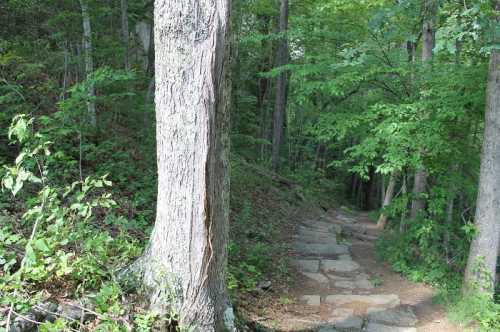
(311, 300)
(374, 327)
(316, 239)
(307, 265)
(401, 316)
(318, 277)
(344, 319)
(320, 249)
(337, 265)
(387, 300)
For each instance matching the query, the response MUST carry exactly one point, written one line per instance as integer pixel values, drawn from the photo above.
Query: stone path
(344, 291)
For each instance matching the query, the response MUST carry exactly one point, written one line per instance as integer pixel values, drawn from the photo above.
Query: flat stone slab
(318, 277)
(332, 265)
(345, 257)
(401, 316)
(342, 313)
(317, 224)
(364, 283)
(308, 265)
(345, 284)
(345, 218)
(352, 323)
(374, 327)
(345, 320)
(337, 277)
(389, 300)
(312, 300)
(316, 239)
(320, 249)
(328, 329)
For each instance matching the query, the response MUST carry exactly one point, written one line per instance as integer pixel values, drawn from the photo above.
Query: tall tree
(281, 87)
(428, 34)
(89, 61)
(184, 264)
(125, 32)
(482, 261)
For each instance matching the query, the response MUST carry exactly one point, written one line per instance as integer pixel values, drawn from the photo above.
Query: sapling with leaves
(59, 217)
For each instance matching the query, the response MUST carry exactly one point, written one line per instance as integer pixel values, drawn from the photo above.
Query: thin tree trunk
(125, 33)
(281, 95)
(263, 82)
(404, 191)
(382, 190)
(482, 261)
(89, 62)
(449, 220)
(382, 220)
(183, 267)
(420, 184)
(66, 71)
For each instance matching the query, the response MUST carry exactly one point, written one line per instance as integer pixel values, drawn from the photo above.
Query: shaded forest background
(338, 102)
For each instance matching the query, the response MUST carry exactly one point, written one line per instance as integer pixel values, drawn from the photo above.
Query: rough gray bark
(389, 194)
(125, 33)
(89, 62)
(482, 261)
(280, 106)
(428, 33)
(183, 267)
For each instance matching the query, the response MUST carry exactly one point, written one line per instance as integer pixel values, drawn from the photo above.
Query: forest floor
(339, 285)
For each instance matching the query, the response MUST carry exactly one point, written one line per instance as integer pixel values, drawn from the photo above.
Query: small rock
(264, 285)
(374, 327)
(402, 316)
(74, 312)
(312, 300)
(46, 311)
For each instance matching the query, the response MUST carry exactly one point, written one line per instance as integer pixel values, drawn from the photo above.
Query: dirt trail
(342, 287)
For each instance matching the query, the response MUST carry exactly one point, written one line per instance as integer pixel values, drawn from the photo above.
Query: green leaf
(41, 245)
(30, 255)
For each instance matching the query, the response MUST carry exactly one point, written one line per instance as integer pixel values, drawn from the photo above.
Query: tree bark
(389, 194)
(263, 82)
(183, 267)
(482, 261)
(89, 62)
(428, 33)
(281, 95)
(125, 33)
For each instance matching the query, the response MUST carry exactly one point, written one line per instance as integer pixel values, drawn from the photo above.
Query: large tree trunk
(125, 33)
(428, 33)
(183, 267)
(389, 194)
(481, 265)
(281, 86)
(89, 62)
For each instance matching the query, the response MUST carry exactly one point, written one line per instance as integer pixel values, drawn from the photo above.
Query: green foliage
(477, 310)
